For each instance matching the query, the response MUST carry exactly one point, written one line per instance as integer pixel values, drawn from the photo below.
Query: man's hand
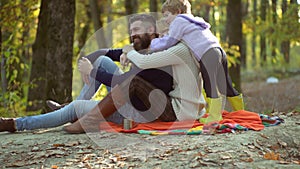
(85, 66)
(123, 60)
(127, 48)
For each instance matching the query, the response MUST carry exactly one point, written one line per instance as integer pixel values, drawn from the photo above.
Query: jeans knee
(99, 61)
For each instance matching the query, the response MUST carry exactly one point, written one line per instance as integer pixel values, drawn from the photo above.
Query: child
(195, 32)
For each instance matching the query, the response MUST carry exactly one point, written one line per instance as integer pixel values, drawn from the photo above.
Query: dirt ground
(273, 147)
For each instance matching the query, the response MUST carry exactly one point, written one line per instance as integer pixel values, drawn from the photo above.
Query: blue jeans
(88, 91)
(75, 110)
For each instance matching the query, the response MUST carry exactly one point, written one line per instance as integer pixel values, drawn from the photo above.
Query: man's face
(140, 36)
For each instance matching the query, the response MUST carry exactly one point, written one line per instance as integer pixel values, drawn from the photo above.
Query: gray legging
(214, 71)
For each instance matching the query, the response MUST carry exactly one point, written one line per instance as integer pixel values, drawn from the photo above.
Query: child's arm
(165, 42)
(176, 32)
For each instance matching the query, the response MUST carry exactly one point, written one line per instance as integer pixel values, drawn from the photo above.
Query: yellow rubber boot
(236, 102)
(214, 110)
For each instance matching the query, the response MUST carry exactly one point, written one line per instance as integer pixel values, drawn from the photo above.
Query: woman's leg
(88, 91)
(69, 113)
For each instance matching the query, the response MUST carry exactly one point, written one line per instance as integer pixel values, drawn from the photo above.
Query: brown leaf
(72, 143)
(54, 167)
(284, 162)
(282, 143)
(58, 145)
(297, 162)
(264, 136)
(272, 156)
(249, 160)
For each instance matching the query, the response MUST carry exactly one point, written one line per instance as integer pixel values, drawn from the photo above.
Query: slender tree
(3, 37)
(131, 6)
(253, 41)
(85, 30)
(234, 36)
(263, 43)
(153, 5)
(274, 21)
(245, 8)
(285, 45)
(98, 24)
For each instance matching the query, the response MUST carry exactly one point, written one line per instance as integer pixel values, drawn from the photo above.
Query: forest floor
(273, 147)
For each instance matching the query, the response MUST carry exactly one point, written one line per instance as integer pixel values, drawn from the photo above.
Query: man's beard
(141, 42)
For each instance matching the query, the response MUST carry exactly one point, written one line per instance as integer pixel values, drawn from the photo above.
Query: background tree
(285, 45)
(234, 36)
(52, 54)
(263, 50)
(274, 21)
(253, 37)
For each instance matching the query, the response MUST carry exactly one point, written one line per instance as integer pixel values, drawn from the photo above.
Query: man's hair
(148, 20)
(177, 6)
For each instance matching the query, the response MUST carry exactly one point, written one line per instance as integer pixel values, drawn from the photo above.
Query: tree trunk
(3, 37)
(109, 30)
(84, 32)
(96, 17)
(206, 12)
(234, 36)
(253, 46)
(213, 20)
(285, 45)
(37, 93)
(245, 7)
(274, 20)
(263, 45)
(153, 5)
(3, 70)
(131, 6)
(52, 54)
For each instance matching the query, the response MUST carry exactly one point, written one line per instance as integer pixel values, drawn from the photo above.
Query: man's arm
(114, 54)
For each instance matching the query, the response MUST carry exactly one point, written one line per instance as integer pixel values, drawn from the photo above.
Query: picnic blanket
(241, 120)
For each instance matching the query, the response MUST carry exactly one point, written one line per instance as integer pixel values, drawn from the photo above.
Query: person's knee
(100, 60)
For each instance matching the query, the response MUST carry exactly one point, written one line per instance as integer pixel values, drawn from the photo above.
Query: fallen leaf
(296, 162)
(58, 145)
(275, 147)
(251, 146)
(282, 143)
(249, 160)
(35, 149)
(54, 166)
(264, 136)
(72, 143)
(272, 156)
(284, 162)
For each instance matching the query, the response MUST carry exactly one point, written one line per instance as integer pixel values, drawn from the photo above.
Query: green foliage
(232, 53)
(17, 24)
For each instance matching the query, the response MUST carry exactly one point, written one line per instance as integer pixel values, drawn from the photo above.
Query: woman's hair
(177, 6)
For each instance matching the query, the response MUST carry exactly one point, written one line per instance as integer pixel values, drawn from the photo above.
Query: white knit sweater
(187, 99)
